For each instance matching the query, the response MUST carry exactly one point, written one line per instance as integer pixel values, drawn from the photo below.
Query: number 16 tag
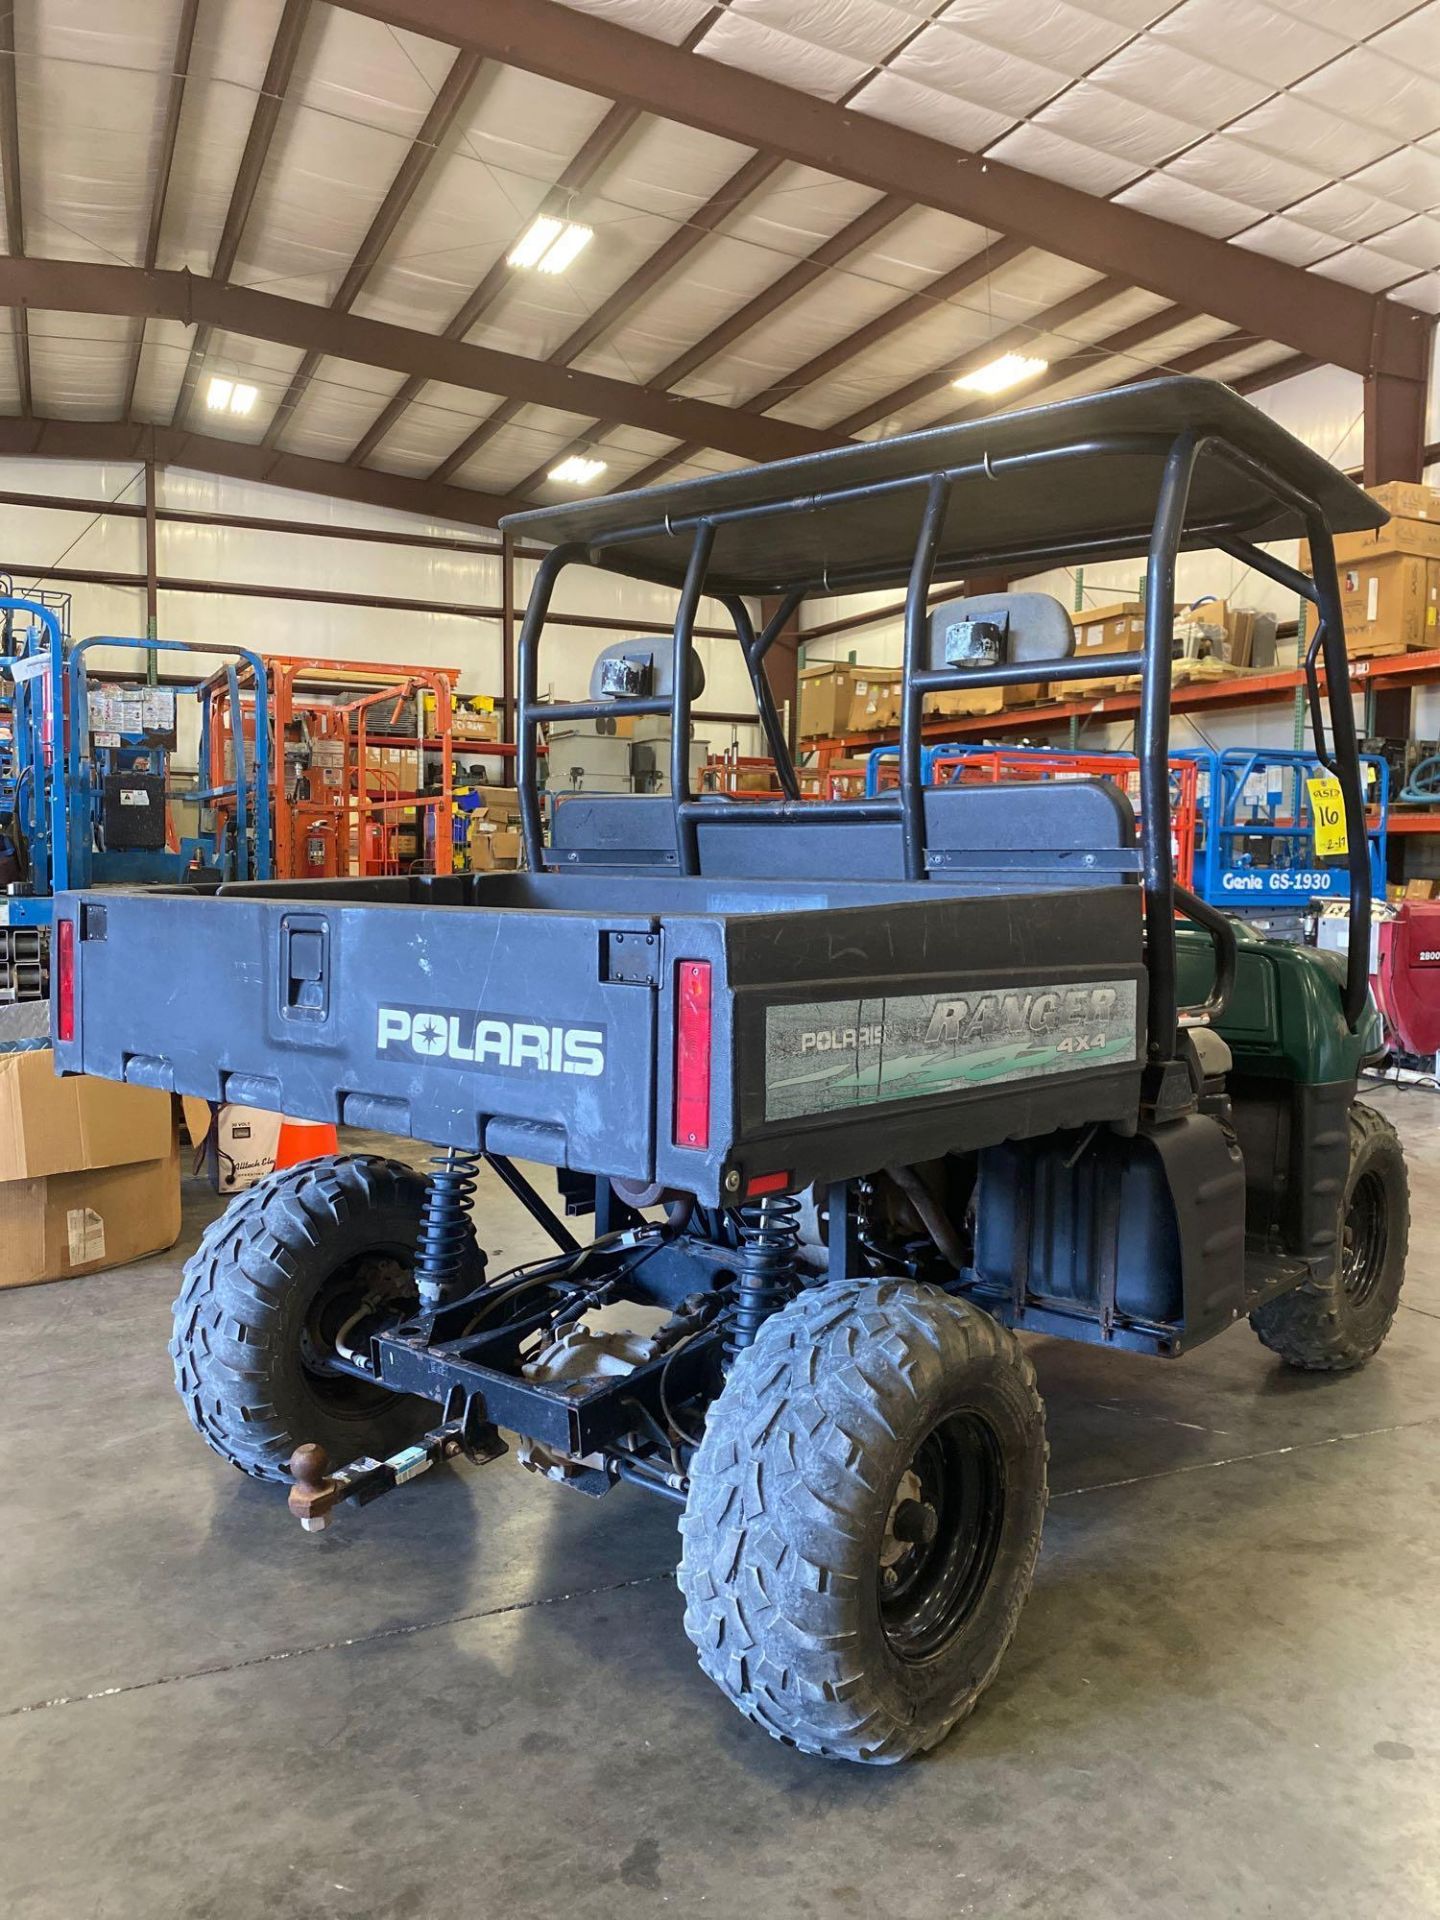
(1327, 808)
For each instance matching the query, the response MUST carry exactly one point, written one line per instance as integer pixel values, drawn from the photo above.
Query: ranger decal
(822, 1056)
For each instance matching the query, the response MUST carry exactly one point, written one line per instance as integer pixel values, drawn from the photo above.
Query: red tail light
(64, 979)
(692, 1054)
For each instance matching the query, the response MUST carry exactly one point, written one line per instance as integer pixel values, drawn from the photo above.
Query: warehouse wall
(37, 538)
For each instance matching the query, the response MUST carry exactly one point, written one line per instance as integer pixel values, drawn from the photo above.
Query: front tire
(864, 1515)
(289, 1265)
(1336, 1324)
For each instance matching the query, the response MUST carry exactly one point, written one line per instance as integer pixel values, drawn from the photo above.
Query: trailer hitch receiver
(318, 1491)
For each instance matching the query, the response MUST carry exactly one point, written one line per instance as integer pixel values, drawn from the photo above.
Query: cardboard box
(1420, 538)
(964, 701)
(1119, 628)
(89, 1172)
(66, 1224)
(825, 700)
(1408, 499)
(1390, 604)
(466, 726)
(1026, 693)
(847, 699)
(874, 701)
(49, 1125)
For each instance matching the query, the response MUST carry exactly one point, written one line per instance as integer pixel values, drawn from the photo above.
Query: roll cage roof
(1088, 474)
(1149, 469)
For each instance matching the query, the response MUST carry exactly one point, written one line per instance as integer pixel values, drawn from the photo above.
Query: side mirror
(639, 670)
(990, 628)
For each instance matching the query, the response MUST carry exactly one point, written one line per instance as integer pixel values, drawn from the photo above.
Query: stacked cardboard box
(89, 1172)
(848, 699)
(971, 700)
(1390, 575)
(492, 834)
(466, 724)
(1117, 628)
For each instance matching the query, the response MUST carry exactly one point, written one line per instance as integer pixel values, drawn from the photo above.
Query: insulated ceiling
(346, 162)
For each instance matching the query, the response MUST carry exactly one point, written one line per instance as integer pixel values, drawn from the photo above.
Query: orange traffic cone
(304, 1140)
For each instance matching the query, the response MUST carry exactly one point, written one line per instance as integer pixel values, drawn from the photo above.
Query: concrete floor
(476, 1699)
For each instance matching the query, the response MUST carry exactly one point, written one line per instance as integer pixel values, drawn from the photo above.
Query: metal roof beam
(1013, 339)
(577, 174)
(670, 254)
(1264, 297)
(424, 150)
(596, 150)
(1395, 411)
(164, 165)
(125, 440)
(96, 287)
(283, 53)
(915, 306)
(14, 209)
(858, 233)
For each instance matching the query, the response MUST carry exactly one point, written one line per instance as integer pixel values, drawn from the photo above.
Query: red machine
(1407, 980)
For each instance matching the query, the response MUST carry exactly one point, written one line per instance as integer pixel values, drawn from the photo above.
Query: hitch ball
(314, 1492)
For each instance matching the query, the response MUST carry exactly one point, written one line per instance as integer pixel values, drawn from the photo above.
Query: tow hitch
(317, 1491)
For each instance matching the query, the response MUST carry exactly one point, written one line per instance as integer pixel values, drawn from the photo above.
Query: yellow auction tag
(1327, 807)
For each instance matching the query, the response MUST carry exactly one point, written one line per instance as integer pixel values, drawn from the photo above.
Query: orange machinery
(752, 777)
(349, 790)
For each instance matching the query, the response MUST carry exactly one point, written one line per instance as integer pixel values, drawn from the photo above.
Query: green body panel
(1284, 1018)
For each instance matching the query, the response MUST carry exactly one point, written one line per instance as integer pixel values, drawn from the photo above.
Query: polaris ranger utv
(853, 1091)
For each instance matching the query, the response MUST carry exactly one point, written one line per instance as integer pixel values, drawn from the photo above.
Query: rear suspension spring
(765, 1266)
(445, 1231)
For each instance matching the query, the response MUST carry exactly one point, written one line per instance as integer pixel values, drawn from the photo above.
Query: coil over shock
(766, 1276)
(445, 1226)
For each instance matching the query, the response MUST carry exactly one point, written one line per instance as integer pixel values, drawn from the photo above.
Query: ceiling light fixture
(577, 471)
(230, 396)
(1008, 371)
(549, 245)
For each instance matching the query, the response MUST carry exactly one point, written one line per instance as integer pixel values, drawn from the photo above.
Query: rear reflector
(766, 1183)
(64, 979)
(692, 1054)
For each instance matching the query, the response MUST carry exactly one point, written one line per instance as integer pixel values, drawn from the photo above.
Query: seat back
(1011, 838)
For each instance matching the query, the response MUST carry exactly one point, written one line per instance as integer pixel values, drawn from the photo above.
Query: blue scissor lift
(1256, 832)
(66, 785)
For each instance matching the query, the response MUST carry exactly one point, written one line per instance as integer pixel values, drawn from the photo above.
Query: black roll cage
(1170, 529)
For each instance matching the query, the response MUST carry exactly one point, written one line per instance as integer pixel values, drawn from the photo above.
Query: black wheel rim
(942, 1533)
(357, 1298)
(1366, 1234)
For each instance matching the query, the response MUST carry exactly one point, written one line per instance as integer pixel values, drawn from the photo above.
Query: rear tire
(864, 1514)
(1336, 1324)
(274, 1280)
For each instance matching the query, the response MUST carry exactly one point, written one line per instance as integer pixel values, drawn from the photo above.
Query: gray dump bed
(840, 1025)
